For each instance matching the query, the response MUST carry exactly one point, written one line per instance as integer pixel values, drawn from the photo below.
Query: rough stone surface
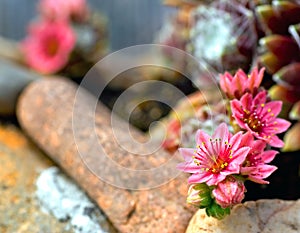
(45, 112)
(263, 216)
(21, 162)
(13, 79)
(59, 196)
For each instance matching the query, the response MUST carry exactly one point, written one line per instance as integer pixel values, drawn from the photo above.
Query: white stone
(263, 216)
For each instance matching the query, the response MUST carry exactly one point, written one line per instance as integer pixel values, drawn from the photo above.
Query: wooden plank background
(131, 22)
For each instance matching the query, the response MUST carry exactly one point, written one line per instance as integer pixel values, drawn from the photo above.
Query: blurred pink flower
(48, 46)
(63, 9)
(259, 117)
(229, 192)
(255, 166)
(215, 158)
(172, 140)
(239, 84)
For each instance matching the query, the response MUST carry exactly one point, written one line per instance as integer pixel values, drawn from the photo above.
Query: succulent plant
(203, 110)
(280, 54)
(221, 33)
(244, 33)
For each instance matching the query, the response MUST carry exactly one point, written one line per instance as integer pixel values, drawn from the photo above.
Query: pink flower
(63, 9)
(172, 140)
(48, 46)
(229, 192)
(215, 158)
(235, 87)
(259, 117)
(255, 166)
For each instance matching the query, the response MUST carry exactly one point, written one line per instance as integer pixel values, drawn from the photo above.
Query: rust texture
(45, 112)
(21, 163)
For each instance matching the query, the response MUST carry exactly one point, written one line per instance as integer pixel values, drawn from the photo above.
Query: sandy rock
(263, 216)
(21, 163)
(45, 111)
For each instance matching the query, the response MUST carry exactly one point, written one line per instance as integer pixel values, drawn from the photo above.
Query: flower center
(218, 166)
(253, 121)
(52, 47)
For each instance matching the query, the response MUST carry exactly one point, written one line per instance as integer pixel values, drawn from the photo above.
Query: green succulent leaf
(278, 92)
(271, 62)
(295, 32)
(289, 76)
(216, 211)
(270, 21)
(288, 11)
(295, 112)
(282, 47)
(278, 16)
(292, 139)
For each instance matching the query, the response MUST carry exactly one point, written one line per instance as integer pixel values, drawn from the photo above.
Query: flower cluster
(223, 161)
(63, 38)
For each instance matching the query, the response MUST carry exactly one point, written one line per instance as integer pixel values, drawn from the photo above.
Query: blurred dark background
(130, 22)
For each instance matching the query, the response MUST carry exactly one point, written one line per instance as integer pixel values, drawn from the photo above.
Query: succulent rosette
(253, 32)
(199, 25)
(280, 54)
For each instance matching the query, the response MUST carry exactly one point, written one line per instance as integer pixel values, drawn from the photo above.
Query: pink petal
(232, 168)
(252, 78)
(274, 107)
(247, 170)
(237, 112)
(257, 146)
(269, 155)
(276, 142)
(235, 141)
(201, 137)
(200, 177)
(266, 170)
(236, 107)
(190, 167)
(224, 82)
(246, 101)
(281, 125)
(258, 180)
(260, 98)
(187, 153)
(239, 156)
(239, 81)
(216, 178)
(261, 173)
(259, 77)
(256, 78)
(221, 132)
(247, 139)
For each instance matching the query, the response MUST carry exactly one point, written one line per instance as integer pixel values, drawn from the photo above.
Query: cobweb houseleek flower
(63, 9)
(215, 157)
(229, 192)
(236, 86)
(48, 46)
(255, 167)
(259, 117)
